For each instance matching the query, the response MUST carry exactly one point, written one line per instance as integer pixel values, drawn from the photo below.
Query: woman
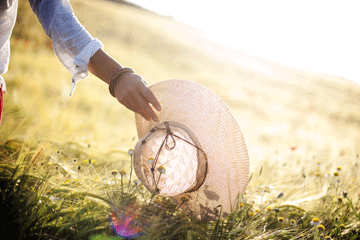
(79, 52)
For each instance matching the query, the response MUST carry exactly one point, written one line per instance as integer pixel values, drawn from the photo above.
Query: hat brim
(218, 132)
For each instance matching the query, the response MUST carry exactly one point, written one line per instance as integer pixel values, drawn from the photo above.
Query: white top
(72, 44)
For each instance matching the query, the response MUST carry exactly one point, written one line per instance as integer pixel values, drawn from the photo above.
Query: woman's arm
(79, 52)
(130, 90)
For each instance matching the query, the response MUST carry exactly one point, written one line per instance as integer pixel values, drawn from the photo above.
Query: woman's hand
(132, 92)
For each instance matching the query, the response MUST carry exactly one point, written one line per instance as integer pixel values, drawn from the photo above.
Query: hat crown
(167, 159)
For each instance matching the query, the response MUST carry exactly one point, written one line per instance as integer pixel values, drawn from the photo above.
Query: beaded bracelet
(115, 78)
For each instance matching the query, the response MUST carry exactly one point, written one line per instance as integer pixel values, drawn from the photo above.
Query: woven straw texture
(217, 131)
(180, 163)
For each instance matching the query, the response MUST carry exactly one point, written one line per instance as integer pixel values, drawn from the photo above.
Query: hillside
(66, 166)
(277, 107)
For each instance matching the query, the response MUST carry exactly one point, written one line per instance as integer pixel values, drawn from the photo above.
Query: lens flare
(126, 226)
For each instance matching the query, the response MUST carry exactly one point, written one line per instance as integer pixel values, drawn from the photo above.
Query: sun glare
(319, 35)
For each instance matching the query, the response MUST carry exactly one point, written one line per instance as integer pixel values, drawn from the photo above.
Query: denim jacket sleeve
(72, 43)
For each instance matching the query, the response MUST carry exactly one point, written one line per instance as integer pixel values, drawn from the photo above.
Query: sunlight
(319, 35)
(68, 167)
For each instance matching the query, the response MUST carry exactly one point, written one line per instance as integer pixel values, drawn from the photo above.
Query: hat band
(202, 169)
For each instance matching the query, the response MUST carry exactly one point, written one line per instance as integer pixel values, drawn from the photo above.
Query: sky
(323, 36)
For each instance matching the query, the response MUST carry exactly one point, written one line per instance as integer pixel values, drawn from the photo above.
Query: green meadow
(65, 161)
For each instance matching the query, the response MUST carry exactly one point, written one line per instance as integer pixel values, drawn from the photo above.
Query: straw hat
(195, 153)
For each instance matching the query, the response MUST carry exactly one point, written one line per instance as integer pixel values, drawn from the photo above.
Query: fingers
(127, 104)
(150, 98)
(136, 96)
(131, 104)
(142, 106)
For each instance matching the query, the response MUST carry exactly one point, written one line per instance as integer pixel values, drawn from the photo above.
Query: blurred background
(318, 35)
(292, 112)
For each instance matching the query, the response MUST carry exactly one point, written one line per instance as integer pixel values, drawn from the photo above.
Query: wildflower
(321, 227)
(336, 174)
(276, 210)
(161, 169)
(339, 199)
(317, 174)
(241, 205)
(342, 226)
(150, 161)
(293, 148)
(292, 222)
(318, 163)
(280, 219)
(89, 161)
(184, 199)
(131, 152)
(257, 210)
(157, 201)
(344, 194)
(315, 221)
(251, 214)
(338, 168)
(269, 208)
(122, 172)
(114, 172)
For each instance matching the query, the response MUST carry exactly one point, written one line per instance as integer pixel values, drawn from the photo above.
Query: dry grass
(290, 118)
(276, 106)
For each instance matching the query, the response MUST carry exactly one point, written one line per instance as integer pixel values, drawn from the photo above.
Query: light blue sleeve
(72, 44)
(8, 13)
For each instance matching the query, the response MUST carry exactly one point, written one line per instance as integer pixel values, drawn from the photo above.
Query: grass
(49, 193)
(58, 154)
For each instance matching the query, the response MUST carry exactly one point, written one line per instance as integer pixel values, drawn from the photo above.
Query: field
(301, 129)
